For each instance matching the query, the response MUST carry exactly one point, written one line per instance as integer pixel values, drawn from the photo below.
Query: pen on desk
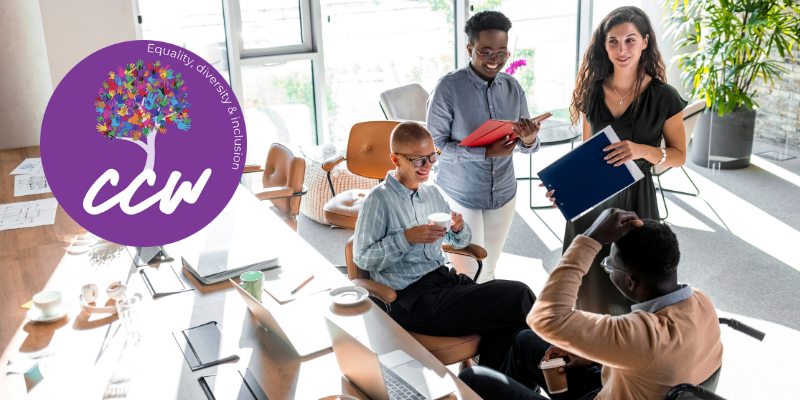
(302, 284)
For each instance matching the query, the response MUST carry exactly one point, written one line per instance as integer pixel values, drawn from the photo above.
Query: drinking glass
(129, 309)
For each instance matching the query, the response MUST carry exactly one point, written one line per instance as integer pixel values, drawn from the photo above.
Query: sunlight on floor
(680, 217)
(749, 222)
(524, 269)
(759, 370)
(775, 170)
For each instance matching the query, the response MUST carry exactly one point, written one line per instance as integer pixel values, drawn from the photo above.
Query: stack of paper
(29, 178)
(228, 247)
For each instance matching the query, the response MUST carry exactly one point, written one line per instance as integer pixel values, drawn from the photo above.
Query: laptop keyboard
(398, 388)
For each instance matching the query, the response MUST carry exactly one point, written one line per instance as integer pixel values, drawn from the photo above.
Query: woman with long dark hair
(622, 83)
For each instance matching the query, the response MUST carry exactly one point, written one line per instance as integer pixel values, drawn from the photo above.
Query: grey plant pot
(724, 142)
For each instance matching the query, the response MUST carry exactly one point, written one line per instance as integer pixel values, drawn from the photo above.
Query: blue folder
(582, 179)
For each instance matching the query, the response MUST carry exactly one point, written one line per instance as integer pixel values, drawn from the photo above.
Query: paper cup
(556, 383)
(441, 219)
(48, 303)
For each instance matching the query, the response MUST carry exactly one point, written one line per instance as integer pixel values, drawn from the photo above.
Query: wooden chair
(449, 350)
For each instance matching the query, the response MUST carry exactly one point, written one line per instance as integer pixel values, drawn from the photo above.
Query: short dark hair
(408, 133)
(485, 21)
(650, 252)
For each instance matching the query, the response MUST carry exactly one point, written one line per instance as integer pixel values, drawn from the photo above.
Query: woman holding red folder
(480, 181)
(622, 83)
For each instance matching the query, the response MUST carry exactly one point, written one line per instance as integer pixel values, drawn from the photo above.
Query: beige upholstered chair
(448, 350)
(367, 155)
(405, 103)
(283, 180)
(691, 114)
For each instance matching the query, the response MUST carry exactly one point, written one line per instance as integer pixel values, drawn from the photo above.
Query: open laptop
(392, 376)
(305, 334)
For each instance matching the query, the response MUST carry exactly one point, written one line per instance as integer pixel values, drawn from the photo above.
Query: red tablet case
(491, 131)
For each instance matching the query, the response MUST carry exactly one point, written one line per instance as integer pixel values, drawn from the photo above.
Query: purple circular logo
(143, 143)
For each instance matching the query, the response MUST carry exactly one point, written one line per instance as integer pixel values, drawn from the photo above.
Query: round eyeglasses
(488, 56)
(420, 161)
(608, 266)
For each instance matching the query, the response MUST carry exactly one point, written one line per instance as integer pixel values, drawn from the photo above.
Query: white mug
(441, 219)
(47, 302)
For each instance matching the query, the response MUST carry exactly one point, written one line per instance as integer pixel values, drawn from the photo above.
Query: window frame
(312, 48)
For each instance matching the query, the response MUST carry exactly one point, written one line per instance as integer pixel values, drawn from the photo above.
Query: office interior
(307, 71)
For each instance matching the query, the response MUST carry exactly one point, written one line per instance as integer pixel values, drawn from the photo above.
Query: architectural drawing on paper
(28, 214)
(25, 185)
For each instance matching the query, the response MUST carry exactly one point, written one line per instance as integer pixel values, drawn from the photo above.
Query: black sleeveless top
(657, 103)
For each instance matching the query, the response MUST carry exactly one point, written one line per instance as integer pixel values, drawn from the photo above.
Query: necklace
(615, 91)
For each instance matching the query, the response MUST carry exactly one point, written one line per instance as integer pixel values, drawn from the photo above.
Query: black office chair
(705, 390)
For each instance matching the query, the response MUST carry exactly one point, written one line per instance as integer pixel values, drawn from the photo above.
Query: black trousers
(520, 376)
(445, 303)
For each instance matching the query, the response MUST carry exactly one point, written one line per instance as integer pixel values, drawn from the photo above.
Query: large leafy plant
(735, 40)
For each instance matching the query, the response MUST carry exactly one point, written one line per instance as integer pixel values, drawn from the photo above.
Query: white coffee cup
(441, 219)
(48, 302)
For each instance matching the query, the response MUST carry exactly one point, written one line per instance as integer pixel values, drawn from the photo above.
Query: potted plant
(734, 39)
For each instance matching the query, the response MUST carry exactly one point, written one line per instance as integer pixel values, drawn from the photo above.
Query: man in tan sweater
(672, 335)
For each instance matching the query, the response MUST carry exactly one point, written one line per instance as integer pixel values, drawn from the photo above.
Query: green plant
(735, 39)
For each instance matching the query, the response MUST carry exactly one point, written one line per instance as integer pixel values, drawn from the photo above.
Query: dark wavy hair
(596, 65)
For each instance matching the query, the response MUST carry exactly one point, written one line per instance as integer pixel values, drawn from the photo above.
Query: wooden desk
(89, 352)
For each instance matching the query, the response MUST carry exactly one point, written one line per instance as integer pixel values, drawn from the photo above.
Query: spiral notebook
(582, 179)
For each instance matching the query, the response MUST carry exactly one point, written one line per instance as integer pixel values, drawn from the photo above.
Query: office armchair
(368, 156)
(283, 178)
(448, 350)
(691, 114)
(705, 390)
(405, 103)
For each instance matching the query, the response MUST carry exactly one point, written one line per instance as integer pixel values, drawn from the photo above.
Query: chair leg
(664, 199)
(478, 273)
(690, 180)
(464, 365)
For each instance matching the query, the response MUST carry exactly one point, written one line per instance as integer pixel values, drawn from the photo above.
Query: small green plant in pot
(734, 40)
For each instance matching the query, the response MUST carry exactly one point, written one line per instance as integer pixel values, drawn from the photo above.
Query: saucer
(348, 295)
(35, 314)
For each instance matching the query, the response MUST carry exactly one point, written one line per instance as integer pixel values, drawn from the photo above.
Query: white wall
(77, 28)
(25, 74)
(654, 11)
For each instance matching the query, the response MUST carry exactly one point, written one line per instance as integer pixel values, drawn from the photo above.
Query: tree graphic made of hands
(137, 102)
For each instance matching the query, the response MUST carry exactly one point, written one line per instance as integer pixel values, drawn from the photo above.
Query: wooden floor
(28, 256)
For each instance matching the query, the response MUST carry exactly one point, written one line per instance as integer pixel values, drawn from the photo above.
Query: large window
(544, 35)
(373, 46)
(307, 70)
(279, 106)
(199, 28)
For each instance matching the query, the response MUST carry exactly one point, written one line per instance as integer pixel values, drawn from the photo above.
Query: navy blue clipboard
(582, 179)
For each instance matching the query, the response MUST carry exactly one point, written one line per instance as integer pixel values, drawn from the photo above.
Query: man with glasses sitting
(396, 244)
(671, 336)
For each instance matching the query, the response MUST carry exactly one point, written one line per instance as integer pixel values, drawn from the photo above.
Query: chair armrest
(273, 192)
(375, 289)
(328, 165)
(252, 168)
(473, 250)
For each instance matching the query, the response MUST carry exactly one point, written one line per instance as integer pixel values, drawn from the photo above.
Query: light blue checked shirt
(380, 245)
(460, 103)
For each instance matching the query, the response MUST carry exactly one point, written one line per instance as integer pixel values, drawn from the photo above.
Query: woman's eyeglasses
(488, 56)
(420, 161)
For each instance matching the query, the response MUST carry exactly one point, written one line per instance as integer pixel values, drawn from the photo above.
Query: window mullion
(233, 37)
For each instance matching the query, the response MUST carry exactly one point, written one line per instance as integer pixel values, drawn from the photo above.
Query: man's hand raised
(425, 233)
(613, 224)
